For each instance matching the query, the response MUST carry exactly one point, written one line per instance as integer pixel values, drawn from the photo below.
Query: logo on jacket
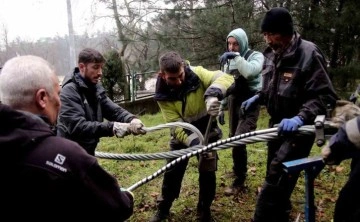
(58, 161)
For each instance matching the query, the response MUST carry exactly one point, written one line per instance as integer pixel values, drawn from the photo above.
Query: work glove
(125, 190)
(136, 127)
(121, 129)
(227, 55)
(343, 112)
(338, 148)
(212, 106)
(249, 103)
(287, 126)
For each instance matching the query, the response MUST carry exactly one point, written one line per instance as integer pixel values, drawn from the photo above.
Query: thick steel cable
(156, 156)
(246, 138)
(272, 131)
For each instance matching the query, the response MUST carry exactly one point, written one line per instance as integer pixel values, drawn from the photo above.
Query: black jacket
(83, 109)
(45, 177)
(296, 83)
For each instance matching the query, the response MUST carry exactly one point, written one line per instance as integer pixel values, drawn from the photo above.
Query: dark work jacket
(83, 109)
(49, 178)
(296, 83)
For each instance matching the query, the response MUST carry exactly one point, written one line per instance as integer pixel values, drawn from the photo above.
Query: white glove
(212, 106)
(121, 129)
(136, 127)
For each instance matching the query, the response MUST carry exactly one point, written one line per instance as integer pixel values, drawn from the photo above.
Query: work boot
(205, 215)
(163, 211)
(159, 216)
(235, 188)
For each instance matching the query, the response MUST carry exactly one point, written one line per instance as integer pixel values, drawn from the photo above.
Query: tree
(114, 76)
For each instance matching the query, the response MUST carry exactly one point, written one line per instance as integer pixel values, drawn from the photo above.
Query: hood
(17, 129)
(241, 37)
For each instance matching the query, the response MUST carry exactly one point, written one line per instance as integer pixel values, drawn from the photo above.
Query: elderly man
(45, 177)
(296, 88)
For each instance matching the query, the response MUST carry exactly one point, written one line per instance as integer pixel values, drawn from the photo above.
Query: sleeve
(252, 67)
(320, 94)
(114, 112)
(105, 193)
(215, 82)
(346, 142)
(72, 115)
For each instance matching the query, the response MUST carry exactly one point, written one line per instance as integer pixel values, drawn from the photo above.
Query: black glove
(226, 56)
(221, 118)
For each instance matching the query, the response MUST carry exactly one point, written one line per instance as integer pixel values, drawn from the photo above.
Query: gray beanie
(278, 20)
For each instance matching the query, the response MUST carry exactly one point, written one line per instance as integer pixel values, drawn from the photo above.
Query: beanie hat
(278, 20)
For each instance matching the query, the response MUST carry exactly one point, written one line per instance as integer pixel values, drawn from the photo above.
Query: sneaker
(159, 216)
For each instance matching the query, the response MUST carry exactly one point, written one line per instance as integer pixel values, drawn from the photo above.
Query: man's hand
(121, 129)
(212, 105)
(226, 56)
(343, 112)
(125, 190)
(287, 126)
(221, 117)
(136, 127)
(245, 106)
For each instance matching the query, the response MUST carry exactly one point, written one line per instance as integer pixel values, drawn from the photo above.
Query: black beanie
(278, 20)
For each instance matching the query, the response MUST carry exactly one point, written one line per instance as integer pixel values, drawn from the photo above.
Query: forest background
(198, 29)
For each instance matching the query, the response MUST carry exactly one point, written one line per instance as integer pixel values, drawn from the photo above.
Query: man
(189, 94)
(85, 105)
(45, 177)
(343, 145)
(296, 88)
(245, 66)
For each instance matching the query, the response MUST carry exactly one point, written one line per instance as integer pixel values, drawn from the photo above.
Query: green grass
(224, 208)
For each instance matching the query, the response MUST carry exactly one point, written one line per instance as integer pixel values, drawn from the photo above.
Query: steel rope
(251, 137)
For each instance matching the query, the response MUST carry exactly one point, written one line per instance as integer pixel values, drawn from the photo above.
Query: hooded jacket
(247, 72)
(187, 104)
(47, 178)
(83, 109)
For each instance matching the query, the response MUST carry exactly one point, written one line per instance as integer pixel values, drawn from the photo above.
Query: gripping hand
(226, 56)
(249, 102)
(212, 106)
(287, 126)
(121, 129)
(136, 127)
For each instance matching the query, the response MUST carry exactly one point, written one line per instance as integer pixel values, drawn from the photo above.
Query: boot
(205, 215)
(159, 216)
(236, 188)
(163, 211)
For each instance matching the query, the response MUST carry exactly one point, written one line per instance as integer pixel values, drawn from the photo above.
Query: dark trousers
(173, 178)
(273, 203)
(347, 208)
(240, 123)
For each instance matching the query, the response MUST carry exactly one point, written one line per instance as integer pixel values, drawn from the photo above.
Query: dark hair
(170, 62)
(88, 55)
